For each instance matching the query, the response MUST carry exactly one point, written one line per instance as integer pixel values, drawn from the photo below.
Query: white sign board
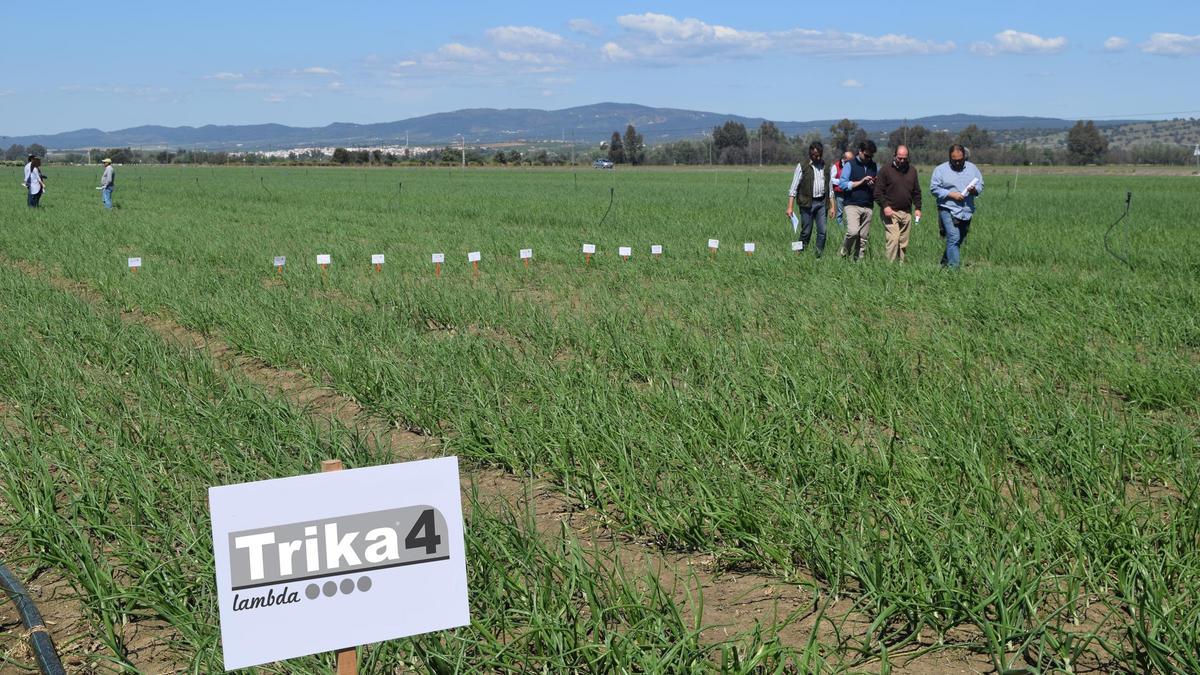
(624, 251)
(713, 243)
(748, 247)
(328, 561)
(280, 260)
(589, 248)
(526, 253)
(439, 258)
(656, 249)
(473, 256)
(376, 258)
(323, 259)
(797, 246)
(135, 262)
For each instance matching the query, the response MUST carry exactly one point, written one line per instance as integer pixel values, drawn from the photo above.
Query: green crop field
(998, 465)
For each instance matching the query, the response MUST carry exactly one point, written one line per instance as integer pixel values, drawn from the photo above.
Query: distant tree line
(728, 144)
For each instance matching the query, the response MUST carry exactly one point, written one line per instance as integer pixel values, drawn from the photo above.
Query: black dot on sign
(312, 591)
(364, 584)
(347, 586)
(330, 588)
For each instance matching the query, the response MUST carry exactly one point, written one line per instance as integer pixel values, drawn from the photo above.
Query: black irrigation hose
(611, 192)
(39, 638)
(1128, 198)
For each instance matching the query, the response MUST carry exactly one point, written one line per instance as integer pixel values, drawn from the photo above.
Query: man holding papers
(955, 183)
(810, 189)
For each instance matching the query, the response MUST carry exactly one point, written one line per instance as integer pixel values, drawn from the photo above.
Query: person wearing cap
(107, 183)
(34, 183)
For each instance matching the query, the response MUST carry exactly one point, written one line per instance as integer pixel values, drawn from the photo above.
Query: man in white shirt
(107, 182)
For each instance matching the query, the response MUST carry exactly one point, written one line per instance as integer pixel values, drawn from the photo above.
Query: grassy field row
(1011, 448)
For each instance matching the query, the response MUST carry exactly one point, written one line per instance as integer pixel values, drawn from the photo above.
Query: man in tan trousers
(898, 192)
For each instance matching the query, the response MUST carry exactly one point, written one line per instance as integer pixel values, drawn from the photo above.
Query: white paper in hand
(973, 183)
(795, 223)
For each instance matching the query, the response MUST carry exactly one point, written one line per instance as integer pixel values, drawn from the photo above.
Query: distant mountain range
(482, 126)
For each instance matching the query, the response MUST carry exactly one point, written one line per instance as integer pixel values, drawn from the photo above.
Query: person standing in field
(858, 191)
(811, 185)
(28, 166)
(955, 183)
(107, 182)
(838, 196)
(35, 184)
(898, 192)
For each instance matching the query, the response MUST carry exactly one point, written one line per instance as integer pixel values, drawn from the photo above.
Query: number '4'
(431, 540)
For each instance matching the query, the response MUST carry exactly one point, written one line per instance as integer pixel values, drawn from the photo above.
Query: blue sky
(71, 65)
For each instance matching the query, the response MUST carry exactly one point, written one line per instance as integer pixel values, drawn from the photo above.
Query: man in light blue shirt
(955, 183)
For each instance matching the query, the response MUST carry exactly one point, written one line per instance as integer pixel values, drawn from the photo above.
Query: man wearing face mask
(810, 187)
(955, 183)
(898, 192)
(858, 189)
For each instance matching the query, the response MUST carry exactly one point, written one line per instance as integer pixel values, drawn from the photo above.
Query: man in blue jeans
(107, 182)
(955, 183)
(810, 189)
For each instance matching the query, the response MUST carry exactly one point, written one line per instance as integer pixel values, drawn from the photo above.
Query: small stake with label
(377, 261)
(656, 250)
(588, 250)
(323, 259)
(625, 252)
(748, 247)
(438, 259)
(134, 264)
(473, 258)
(279, 262)
(713, 245)
(526, 255)
(797, 246)
(347, 659)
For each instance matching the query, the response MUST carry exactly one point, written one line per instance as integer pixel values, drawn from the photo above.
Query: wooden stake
(437, 269)
(347, 659)
(279, 269)
(527, 263)
(587, 259)
(475, 267)
(378, 267)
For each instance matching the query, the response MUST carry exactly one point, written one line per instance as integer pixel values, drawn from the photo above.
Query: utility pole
(572, 147)
(463, 140)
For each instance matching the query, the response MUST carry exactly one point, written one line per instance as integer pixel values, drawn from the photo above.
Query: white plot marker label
(624, 252)
(134, 264)
(438, 259)
(279, 261)
(714, 244)
(797, 246)
(748, 247)
(474, 257)
(526, 253)
(324, 260)
(656, 249)
(589, 249)
(376, 258)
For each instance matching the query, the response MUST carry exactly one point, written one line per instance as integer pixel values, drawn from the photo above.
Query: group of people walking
(35, 182)
(848, 190)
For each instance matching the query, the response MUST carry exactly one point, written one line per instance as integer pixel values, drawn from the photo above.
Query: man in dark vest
(810, 188)
(858, 189)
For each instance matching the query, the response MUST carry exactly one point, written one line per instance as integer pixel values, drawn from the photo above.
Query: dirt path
(731, 603)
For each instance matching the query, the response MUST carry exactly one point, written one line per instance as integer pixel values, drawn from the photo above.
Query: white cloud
(274, 98)
(852, 84)
(224, 76)
(525, 37)
(584, 26)
(318, 70)
(1015, 42)
(456, 51)
(1115, 44)
(664, 39)
(1172, 44)
(7, 92)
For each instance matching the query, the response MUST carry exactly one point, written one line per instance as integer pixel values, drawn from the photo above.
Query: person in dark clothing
(858, 190)
(898, 193)
(810, 188)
